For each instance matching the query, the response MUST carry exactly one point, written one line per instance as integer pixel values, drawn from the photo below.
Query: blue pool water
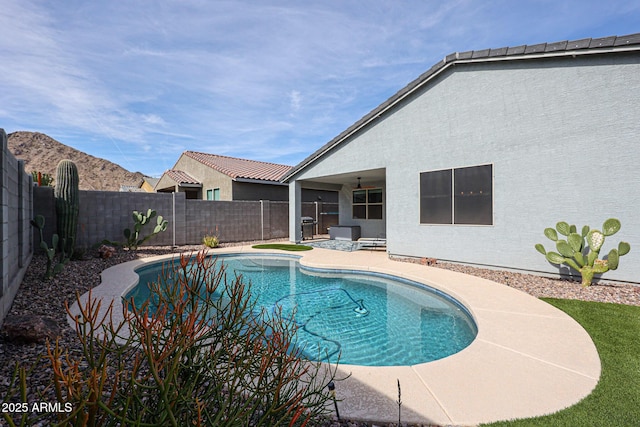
(369, 319)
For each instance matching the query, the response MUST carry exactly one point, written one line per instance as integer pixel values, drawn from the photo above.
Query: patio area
(336, 245)
(528, 358)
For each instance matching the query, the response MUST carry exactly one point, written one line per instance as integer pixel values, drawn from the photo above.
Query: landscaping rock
(30, 329)
(106, 251)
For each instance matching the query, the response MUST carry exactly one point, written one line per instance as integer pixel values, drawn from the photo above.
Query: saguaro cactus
(584, 258)
(53, 267)
(67, 205)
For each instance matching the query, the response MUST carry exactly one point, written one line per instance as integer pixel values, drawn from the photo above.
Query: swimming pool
(368, 319)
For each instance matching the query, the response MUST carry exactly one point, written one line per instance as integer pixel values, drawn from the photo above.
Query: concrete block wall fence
(236, 221)
(15, 234)
(44, 204)
(105, 214)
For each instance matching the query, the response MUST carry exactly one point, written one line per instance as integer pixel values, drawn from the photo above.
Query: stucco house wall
(562, 136)
(209, 177)
(165, 182)
(255, 191)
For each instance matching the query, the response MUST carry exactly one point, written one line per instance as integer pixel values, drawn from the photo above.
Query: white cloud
(296, 100)
(152, 119)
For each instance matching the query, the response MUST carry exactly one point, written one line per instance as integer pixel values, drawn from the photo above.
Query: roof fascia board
(545, 55)
(258, 181)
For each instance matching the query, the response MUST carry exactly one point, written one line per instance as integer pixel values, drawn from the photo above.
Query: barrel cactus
(67, 196)
(584, 257)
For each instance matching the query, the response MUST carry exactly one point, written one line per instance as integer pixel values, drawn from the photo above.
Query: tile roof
(241, 168)
(131, 189)
(563, 48)
(151, 181)
(181, 177)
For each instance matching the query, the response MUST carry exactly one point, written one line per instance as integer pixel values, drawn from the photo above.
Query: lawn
(283, 246)
(615, 330)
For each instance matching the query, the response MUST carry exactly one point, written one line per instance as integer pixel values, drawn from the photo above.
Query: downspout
(173, 226)
(317, 218)
(261, 220)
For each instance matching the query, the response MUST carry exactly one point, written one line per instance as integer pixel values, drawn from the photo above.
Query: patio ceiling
(371, 175)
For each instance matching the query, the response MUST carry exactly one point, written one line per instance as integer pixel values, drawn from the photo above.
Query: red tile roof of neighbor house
(241, 168)
(181, 177)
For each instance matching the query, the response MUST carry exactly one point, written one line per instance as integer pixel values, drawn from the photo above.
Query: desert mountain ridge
(41, 153)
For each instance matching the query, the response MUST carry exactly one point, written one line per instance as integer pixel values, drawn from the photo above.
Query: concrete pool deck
(528, 358)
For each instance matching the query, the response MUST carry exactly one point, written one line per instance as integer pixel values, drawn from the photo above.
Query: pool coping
(528, 359)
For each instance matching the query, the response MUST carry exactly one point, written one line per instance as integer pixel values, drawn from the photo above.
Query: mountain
(41, 153)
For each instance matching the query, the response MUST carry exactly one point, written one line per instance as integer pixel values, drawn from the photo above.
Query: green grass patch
(615, 330)
(283, 246)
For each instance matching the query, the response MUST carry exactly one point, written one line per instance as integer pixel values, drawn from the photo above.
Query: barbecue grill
(307, 224)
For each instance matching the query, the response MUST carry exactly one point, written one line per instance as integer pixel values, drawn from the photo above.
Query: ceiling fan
(363, 187)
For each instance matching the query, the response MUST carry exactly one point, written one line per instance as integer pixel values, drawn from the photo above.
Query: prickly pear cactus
(140, 219)
(584, 257)
(67, 197)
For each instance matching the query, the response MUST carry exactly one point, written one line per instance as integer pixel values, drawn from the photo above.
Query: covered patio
(362, 204)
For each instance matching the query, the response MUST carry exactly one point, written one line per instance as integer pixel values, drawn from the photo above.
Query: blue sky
(139, 82)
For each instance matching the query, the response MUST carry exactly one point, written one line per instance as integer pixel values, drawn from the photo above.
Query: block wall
(15, 234)
(105, 214)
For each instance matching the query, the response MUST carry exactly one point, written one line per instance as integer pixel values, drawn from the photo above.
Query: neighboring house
(476, 157)
(148, 184)
(215, 177)
(145, 186)
(131, 189)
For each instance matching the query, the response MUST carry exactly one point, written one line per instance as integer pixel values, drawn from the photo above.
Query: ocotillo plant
(399, 402)
(67, 197)
(582, 258)
(42, 179)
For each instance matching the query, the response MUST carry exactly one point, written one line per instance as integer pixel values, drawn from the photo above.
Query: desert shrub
(197, 352)
(42, 179)
(211, 241)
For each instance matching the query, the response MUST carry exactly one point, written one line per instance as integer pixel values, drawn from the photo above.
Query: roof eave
(258, 181)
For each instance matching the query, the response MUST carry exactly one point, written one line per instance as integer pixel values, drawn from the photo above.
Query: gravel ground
(47, 298)
(542, 287)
